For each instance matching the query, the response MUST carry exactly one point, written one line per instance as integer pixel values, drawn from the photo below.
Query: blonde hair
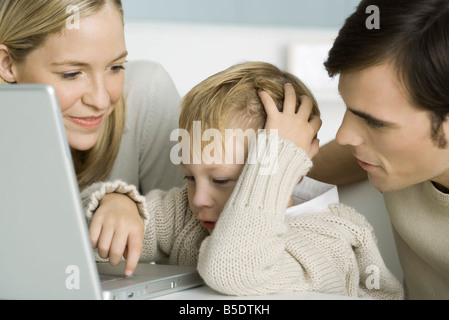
(232, 95)
(24, 26)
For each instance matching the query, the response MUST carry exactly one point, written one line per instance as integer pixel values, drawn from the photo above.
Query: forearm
(246, 253)
(335, 164)
(174, 230)
(94, 194)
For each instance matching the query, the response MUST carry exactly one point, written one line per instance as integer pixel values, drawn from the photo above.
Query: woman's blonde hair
(24, 26)
(232, 95)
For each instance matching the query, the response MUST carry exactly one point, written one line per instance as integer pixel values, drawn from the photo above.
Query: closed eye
(221, 182)
(375, 123)
(70, 75)
(117, 68)
(371, 121)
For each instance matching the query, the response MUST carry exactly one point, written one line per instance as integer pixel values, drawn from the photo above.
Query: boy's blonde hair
(24, 26)
(232, 95)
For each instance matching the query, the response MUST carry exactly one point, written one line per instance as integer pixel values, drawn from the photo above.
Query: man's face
(391, 138)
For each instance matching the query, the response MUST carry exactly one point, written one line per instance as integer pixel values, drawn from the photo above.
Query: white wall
(297, 13)
(192, 52)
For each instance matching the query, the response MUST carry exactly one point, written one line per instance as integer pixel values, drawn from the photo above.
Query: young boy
(230, 219)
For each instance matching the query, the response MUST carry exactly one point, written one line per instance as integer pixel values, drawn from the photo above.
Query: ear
(6, 72)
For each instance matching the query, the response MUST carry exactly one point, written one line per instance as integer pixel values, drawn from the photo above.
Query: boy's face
(213, 171)
(209, 188)
(391, 139)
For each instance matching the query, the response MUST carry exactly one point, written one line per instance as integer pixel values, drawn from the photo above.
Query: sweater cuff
(96, 192)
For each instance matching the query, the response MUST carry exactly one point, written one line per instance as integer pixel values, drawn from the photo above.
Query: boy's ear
(6, 72)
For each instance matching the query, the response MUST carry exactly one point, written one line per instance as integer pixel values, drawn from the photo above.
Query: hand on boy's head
(299, 127)
(117, 231)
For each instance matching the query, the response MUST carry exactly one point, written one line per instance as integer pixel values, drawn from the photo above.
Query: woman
(117, 125)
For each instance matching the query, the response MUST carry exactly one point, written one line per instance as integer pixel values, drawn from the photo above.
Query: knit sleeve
(171, 231)
(246, 252)
(92, 195)
(372, 278)
(172, 234)
(255, 250)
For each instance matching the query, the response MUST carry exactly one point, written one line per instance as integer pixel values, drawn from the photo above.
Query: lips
(209, 225)
(366, 165)
(89, 123)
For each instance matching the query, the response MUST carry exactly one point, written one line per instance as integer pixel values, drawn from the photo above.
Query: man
(394, 80)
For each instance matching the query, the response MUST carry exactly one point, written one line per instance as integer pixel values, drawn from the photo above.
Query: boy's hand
(117, 231)
(300, 127)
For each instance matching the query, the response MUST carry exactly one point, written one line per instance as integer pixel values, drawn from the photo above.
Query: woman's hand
(117, 230)
(299, 127)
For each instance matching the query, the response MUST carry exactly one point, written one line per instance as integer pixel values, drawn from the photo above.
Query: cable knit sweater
(254, 249)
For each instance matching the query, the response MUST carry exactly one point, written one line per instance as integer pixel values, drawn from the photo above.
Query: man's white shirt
(310, 196)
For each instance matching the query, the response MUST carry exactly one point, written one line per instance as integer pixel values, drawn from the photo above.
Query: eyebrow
(370, 119)
(212, 167)
(75, 63)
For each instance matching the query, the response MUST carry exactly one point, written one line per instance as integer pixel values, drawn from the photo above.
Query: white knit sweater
(254, 249)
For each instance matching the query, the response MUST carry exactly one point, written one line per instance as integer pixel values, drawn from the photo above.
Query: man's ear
(6, 72)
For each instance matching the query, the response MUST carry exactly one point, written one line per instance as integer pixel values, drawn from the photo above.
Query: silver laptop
(45, 251)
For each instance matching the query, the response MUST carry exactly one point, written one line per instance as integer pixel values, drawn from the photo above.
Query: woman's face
(85, 66)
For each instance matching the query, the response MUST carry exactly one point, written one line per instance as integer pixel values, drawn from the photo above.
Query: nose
(97, 95)
(202, 197)
(349, 131)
